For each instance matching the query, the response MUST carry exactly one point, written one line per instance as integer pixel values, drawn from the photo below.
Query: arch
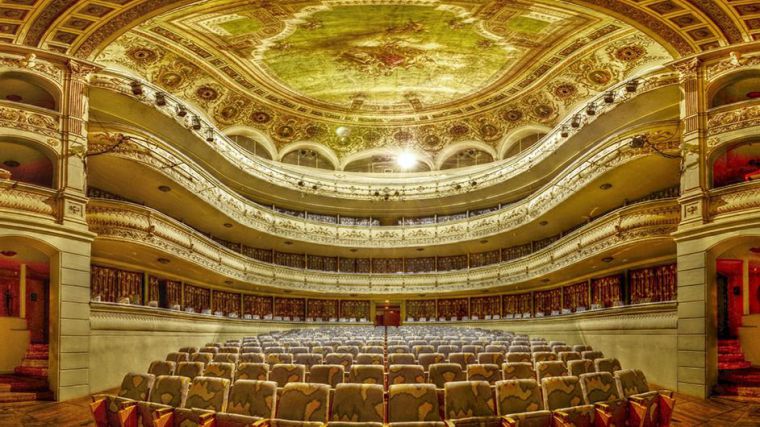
(29, 88)
(320, 149)
(516, 136)
(735, 162)
(734, 87)
(451, 150)
(422, 157)
(256, 135)
(28, 161)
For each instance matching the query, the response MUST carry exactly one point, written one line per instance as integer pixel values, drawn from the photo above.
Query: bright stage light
(406, 160)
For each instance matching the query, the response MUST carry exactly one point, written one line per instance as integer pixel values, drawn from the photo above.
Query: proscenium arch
(321, 149)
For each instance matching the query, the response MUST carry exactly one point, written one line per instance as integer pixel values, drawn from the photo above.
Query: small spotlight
(181, 111)
(163, 260)
(196, 123)
(608, 259)
(576, 122)
(632, 86)
(406, 160)
(209, 135)
(564, 133)
(160, 99)
(137, 89)
(591, 109)
(342, 132)
(609, 97)
(638, 141)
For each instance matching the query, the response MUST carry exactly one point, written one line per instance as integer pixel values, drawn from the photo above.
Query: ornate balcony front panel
(27, 199)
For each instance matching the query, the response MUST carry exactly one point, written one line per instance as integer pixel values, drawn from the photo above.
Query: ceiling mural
(420, 74)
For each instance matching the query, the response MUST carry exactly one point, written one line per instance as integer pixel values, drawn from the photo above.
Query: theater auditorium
(380, 213)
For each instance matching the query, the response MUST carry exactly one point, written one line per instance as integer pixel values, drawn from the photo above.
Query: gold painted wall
(12, 330)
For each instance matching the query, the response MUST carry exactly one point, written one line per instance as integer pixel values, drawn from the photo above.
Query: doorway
(387, 315)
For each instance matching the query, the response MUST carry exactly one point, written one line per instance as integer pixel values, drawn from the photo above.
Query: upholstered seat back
(442, 373)
(412, 403)
(515, 396)
(405, 374)
(285, 373)
(304, 402)
(252, 371)
(208, 393)
(518, 371)
(358, 403)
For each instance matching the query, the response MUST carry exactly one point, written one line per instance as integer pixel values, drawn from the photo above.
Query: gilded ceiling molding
(45, 19)
(713, 10)
(604, 157)
(352, 186)
(132, 224)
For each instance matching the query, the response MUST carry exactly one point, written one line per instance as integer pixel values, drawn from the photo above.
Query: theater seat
(367, 374)
(107, 409)
(279, 358)
(496, 358)
(358, 405)
(302, 405)
(252, 371)
(250, 401)
(285, 373)
(204, 358)
(161, 367)
(167, 393)
(205, 398)
(564, 397)
(220, 370)
(252, 358)
(405, 374)
(177, 357)
(463, 359)
(345, 359)
(427, 359)
(646, 408)
(308, 360)
(519, 401)
(190, 369)
(551, 368)
(442, 373)
(599, 389)
(370, 359)
(413, 405)
(607, 365)
(519, 357)
(401, 359)
(578, 367)
(484, 372)
(518, 371)
(331, 375)
(470, 403)
(226, 358)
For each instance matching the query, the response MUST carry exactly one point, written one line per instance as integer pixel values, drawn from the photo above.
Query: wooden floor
(689, 412)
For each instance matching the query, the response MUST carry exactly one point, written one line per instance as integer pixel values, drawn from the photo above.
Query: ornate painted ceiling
(424, 74)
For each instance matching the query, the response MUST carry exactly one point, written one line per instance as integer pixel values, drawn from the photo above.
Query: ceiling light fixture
(163, 261)
(406, 160)
(164, 188)
(12, 163)
(195, 123)
(609, 97)
(342, 132)
(181, 111)
(8, 253)
(160, 99)
(605, 186)
(632, 86)
(137, 89)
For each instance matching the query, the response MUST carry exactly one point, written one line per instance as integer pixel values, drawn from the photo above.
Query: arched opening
(252, 146)
(740, 87)
(737, 299)
(27, 89)
(523, 144)
(736, 163)
(20, 161)
(384, 163)
(24, 318)
(467, 157)
(309, 158)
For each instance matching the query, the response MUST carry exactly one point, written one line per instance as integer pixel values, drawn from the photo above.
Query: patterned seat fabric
(303, 402)
(519, 349)
(177, 357)
(607, 365)
(561, 348)
(397, 349)
(188, 350)
(401, 359)
(226, 358)
(599, 389)
(484, 372)
(413, 403)
(358, 403)
(495, 358)
(279, 358)
(220, 370)
(427, 359)
(520, 401)
(518, 371)
(366, 374)
(470, 403)
(190, 369)
(578, 367)
(323, 350)
(134, 388)
(544, 356)
(563, 395)
(373, 349)
(496, 348)
(345, 359)
(518, 357)
(552, 368)
(417, 350)
(204, 358)
(447, 349)
(167, 392)
(581, 348)
(206, 395)
(567, 356)
(332, 375)
(442, 373)
(284, 373)
(249, 402)
(405, 374)
(463, 359)
(370, 359)
(540, 349)
(162, 367)
(252, 371)
(230, 350)
(298, 350)
(274, 350)
(470, 348)
(250, 349)
(252, 358)
(209, 349)
(308, 360)
(592, 355)
(350, 349)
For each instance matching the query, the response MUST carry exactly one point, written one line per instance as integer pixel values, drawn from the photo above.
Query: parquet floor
(689, 412)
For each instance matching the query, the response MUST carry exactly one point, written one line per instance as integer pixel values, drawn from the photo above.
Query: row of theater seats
(541, 391)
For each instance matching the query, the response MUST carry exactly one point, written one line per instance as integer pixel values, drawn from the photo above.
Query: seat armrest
(163, 418)
(98, 409)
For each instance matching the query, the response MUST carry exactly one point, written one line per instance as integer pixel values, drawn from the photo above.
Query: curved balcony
(27, 199)
(735, 200)
(35, 122)
(608, 155)
(360, 187)
(121, 222)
